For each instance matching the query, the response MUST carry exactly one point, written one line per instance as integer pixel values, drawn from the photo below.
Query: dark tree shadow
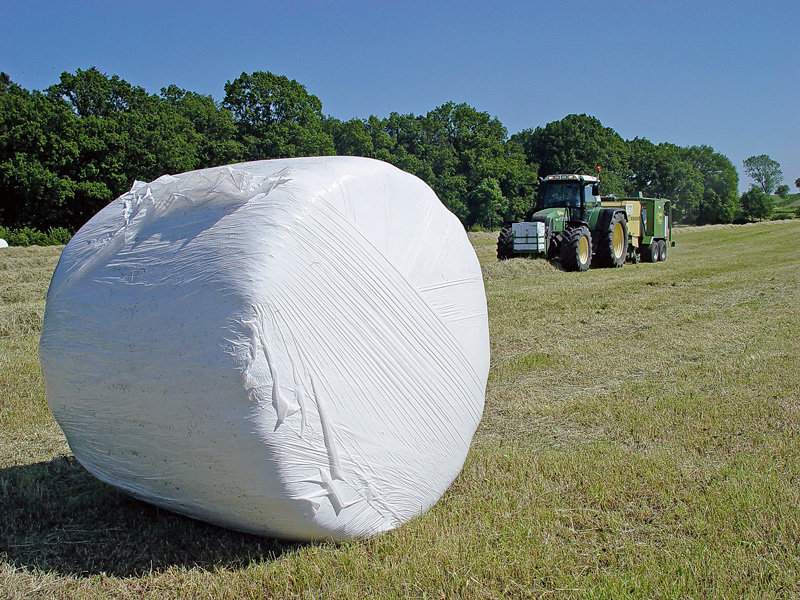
(55, 516)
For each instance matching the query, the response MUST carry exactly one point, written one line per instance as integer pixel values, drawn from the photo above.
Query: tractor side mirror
(596, 189)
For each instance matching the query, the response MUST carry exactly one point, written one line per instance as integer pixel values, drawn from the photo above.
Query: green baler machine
(649, 223)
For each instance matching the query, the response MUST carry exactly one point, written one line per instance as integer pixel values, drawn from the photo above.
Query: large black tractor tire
(505, 244)
(576, 249)
(650, 252)
(612, 247)
(662, 250)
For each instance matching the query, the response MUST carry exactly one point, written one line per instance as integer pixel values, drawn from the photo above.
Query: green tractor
(573, 224)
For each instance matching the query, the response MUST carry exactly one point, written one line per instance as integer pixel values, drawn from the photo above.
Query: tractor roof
(565, 177)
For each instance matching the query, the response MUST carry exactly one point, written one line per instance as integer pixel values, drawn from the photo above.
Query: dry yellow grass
(641, 438)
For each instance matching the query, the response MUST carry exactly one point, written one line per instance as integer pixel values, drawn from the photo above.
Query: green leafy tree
(797, 183)
(470, 146)
(276, 117)
(350, 138)
(124, 134)
(578, 144)
(66, 153)
(214, 125)
(720, 199)
(488, 205)
(665, 171)
(137, 129)
(39, 141)
(756, 204)
(782, 191)
(764, 171)
(92, 93)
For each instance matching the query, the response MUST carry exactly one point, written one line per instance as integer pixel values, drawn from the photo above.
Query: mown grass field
(641, 439)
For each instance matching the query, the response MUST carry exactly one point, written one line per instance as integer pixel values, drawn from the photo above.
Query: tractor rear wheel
(576, 249)
(505, 244)
(613, 245)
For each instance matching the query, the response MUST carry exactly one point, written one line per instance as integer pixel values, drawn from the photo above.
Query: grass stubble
(640, 439)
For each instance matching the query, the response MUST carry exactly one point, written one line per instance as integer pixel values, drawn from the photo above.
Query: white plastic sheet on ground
(293, 347)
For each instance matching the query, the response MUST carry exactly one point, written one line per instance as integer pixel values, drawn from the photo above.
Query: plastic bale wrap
(296, 348)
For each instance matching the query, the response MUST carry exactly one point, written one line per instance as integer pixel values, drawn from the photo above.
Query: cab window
(558, 195)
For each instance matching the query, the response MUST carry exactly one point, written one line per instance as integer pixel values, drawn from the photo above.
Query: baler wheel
(650, 252)
(505, 244)
(662, 250)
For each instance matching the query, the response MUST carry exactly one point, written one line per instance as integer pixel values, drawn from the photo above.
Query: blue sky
(724, 74)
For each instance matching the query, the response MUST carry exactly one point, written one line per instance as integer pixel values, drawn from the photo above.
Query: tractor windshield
(562, 194)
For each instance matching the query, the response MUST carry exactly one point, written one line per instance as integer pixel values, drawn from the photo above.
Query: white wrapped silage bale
(296, 347)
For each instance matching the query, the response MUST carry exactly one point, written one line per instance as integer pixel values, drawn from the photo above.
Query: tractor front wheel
(505, 244)
(576, 249)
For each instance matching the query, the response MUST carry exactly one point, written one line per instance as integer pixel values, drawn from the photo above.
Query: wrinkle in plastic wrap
(296, 347)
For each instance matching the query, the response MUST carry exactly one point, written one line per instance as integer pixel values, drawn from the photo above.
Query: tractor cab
(564, 198)
(576, 192)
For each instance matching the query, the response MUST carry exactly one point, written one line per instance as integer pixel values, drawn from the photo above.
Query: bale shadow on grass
(56, 517)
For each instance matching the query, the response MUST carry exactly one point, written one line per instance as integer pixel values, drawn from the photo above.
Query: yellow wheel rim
(619, 240)
(583, 249)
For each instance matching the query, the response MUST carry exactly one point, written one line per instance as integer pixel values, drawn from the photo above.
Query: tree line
(66, 151)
